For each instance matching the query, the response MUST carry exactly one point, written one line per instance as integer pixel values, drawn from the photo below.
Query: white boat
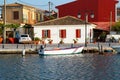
(116, 48)
(59, 51)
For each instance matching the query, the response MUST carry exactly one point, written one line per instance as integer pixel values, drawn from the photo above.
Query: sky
(42, 4)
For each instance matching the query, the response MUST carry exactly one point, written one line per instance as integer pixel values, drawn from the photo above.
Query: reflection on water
(63, 67)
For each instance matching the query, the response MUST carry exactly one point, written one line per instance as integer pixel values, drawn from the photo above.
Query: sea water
(60, 67)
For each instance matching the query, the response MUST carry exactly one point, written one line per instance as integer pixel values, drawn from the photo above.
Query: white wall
(70, 32)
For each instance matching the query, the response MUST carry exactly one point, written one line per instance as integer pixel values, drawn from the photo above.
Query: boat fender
(23, 52)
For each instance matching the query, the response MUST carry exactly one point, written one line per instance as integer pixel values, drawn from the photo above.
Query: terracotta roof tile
(67, 20)
(103, 25)
(17, 4)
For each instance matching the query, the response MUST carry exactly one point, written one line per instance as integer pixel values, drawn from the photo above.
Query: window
(46, 34)
(78, 33)
(15, 15)
(63, 33)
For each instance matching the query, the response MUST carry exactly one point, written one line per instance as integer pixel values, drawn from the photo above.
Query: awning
(103, 25)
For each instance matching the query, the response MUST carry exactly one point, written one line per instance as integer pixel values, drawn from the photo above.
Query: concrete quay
(31, 48)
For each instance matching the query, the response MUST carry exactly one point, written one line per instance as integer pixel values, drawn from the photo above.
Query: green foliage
(15, 26)
(103, 35)
(52, 17)
(12, 25)
(1, 24)
(1, 28)
(116, 27)
(37, 39)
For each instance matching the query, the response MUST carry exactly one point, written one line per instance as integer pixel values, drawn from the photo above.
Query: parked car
(113, 38)
(25, 38)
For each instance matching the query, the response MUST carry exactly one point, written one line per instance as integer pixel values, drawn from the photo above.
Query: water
(63, 67)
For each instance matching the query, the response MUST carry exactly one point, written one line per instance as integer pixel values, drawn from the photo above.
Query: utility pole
(49, 3)
(4, 29)
(86, 21)
(110, 21)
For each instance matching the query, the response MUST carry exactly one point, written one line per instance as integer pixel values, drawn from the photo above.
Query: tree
(102, 36)
(1, 29)
(15, 26)
(116, 27)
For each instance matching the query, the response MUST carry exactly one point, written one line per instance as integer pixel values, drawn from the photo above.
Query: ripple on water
(63, 67)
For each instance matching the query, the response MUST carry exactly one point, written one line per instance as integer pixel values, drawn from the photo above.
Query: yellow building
(22, 14)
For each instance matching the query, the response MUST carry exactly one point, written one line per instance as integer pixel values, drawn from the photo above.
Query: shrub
(37, 39)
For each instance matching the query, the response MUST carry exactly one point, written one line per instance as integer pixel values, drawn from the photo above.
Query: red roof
(103, 25)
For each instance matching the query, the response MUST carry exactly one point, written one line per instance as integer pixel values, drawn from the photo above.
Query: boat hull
(116, 48)
(58, 51)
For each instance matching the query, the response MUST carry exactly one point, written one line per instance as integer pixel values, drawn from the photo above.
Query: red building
(103, 10)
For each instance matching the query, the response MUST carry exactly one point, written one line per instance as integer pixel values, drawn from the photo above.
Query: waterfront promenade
(32, 47)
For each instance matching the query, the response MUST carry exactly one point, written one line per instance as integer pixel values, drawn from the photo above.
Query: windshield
(24, 35)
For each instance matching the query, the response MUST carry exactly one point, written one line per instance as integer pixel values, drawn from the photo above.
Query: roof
(116, 1)
(67, 20)
(103, 25)
(17, 4)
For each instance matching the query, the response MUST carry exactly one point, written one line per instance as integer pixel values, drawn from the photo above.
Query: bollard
(17, 46)
(101, 50)
(24, 46)
(36, 46)
(23, 52)
(58, 45)
(72, 46)
(109, 44)
(31, 45)
(3, 46)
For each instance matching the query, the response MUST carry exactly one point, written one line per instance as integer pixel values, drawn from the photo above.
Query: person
(41, 47)
(41, 50)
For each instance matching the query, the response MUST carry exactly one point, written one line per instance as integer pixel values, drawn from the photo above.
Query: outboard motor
(41, 50)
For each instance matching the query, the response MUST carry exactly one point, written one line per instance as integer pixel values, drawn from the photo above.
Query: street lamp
(110, 21)
(4, 29)
(86, 21)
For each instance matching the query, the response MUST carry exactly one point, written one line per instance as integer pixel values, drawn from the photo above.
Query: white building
(66, 28)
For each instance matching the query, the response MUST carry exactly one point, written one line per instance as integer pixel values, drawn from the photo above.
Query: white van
(24, 38)
(114, 38)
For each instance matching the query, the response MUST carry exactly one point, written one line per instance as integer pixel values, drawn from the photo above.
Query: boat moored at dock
(116, 48)
(60, 51)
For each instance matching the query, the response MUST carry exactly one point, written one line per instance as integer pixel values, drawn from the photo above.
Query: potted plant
(50, 41)
(37, 40)
(61, 41)
(1, 39)
(11, 39)
(75, 40)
